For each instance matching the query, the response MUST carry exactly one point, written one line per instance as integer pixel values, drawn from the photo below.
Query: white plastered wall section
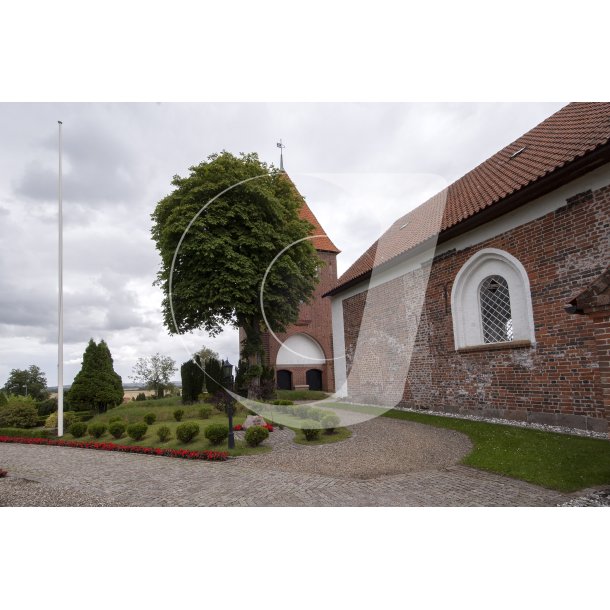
(535, 209)
(300, 350)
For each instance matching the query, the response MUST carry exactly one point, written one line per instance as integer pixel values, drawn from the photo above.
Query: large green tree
(220, 264)
(96, 385)
(27, 382)
(156, 371)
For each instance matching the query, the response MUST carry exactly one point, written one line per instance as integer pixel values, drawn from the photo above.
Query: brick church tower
(304, 359)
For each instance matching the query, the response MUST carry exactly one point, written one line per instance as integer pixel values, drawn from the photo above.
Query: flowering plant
(238, 427)
(177, 453)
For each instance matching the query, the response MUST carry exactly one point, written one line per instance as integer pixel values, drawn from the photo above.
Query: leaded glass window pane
(495, 310)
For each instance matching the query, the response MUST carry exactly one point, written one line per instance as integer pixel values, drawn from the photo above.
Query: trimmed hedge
(78, 429)
(137, 431)
(97, 429)
(311, 429)
(164, 433)
(178, 414)
(187, 432)
(117, 428)
(216, 433)
(255, 435)
(150, 418)
(25, 433)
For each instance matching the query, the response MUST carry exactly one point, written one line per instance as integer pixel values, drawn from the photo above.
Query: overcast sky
(360, 166)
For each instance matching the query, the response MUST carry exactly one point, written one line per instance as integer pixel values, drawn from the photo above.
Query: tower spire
(281, 147)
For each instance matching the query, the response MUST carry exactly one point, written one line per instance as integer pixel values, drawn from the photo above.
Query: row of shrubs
(185, 433)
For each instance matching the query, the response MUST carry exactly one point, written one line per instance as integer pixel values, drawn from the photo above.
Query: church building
(493, 297)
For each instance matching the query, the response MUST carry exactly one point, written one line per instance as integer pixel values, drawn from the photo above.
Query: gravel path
(376, 448)
(385, 463)
(26, 492)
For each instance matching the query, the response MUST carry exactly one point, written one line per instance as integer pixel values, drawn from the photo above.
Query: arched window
(491, 302)
(496, 316)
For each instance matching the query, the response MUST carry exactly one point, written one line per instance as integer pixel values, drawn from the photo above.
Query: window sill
(488, 347)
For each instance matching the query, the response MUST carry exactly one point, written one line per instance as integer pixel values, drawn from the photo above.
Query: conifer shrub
(205, 412)
(187, 432)
(164, 433)
(97, 429)
(255, 435)
(150, 418)
(330, 422)
(69, 418)
(311, 429)
(78, 429)
(117, 428)
(137, 431)
(178, 414)
(216, 433)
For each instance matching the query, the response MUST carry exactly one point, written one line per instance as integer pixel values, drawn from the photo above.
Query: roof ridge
(574, 131)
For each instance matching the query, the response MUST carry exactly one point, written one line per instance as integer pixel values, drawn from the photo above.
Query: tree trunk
(253, 349)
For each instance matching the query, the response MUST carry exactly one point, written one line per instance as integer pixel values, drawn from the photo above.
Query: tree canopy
(220, 264)
(156, 371)
(27, 382)
(96, 384)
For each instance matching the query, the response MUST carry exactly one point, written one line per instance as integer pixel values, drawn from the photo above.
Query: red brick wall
(557, 381)
(315, 320)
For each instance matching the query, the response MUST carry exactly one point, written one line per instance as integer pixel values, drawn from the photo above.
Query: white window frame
(465, 301)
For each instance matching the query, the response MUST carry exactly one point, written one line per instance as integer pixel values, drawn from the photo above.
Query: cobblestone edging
(510, 422)
(595, 498)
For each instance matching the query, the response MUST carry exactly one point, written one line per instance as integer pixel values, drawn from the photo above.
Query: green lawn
(301, 395)
(557, 461)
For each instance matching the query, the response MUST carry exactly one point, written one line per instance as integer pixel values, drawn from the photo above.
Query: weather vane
(281, 147)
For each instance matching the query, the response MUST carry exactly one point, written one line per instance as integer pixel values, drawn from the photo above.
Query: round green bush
(302, 411)
(216, 433)
(255, 435)
(311, 429)
(330, 422)
(78, 429)
(178, 413)
(19, 412)
(117, 428)
(316, 414)
(141, 396)
(205, 412)
(150, 418)
(97, 429)
(164, 433)
(69, 419)
(137, 431)
(187, 432)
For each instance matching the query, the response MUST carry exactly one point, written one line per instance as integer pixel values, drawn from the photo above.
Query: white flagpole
(60, 334)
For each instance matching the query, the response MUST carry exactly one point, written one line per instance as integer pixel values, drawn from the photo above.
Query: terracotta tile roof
(322, 241)
(572, 132)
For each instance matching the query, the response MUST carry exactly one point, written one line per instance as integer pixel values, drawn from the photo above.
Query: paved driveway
(385, 463)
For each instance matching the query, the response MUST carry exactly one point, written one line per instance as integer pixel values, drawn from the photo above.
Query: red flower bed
(177, 453)
(239, 427)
